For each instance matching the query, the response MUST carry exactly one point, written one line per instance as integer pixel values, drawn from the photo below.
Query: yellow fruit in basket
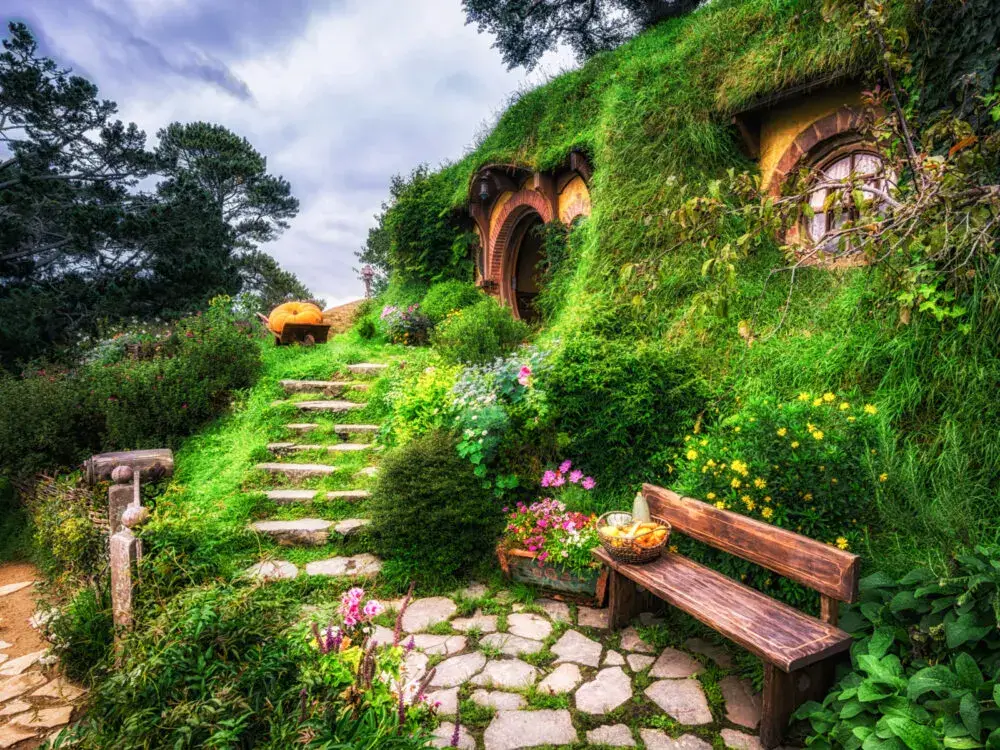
(611, 531)
(659, 535)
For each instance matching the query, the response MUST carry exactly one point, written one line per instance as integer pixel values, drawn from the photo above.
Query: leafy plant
(448, 296)
(405, 325)
(479, 334)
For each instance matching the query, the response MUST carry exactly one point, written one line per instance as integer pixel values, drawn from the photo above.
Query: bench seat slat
(768, 628)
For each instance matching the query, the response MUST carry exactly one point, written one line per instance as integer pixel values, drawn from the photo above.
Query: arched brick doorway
(516, 249)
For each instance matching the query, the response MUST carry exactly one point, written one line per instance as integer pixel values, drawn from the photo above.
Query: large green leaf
(964, 630)
(939, 679)
(969, 711)
(880, 642)
(914, 736)
(870, 692)
(967, 671)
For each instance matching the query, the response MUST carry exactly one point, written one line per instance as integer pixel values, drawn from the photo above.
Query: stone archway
(523, 211)
(519, 282)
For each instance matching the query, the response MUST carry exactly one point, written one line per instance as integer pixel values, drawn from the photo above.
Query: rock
(335, 406)
(648, 618)
(444, 736)
(327, 387)
(367, 368)
(479, 621)
(3, 658)
(742, 704)
(59, 688)
(740, 741)
(614, 659)
(272, 570)
(356, 429)
(303, 531)
(458, 669)
(350, 526)
(348, 496)
(563, 679)
(288, 497)
(44, 718)
(20, 664)
(302, 426)
(368, 471)
(15, 707)
(499, 700)
(21, 684)
(512, 674)
(415, 665)
(576, 647)
(358, 565)
(588, 617)
(654, 739)
(557, 611)
(631, 641)
(298, 471)
(511, 730)
(424, 613)
(613, 735)
(512, 645)
(606, 692)
(10, 588)
(682, 699)
(529, 626)
(4, 645)
(448, 700)
(384, 636)
(639, 662)
(475, 590)
(439, 645)
(10, 735)
(674, 664)
(713, 651)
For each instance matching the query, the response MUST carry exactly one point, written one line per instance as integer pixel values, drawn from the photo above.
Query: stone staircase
(317, 531)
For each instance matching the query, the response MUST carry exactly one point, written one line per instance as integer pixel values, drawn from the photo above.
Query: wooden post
(784, 692)
(622, 600)
(829, 609)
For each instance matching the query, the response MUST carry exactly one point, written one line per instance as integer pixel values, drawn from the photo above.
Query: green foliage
(447, 296)
(407, 325)
(430, 512)
(617, 403)
(479, 334)
(421, 404)
(925, 664)
(83, 633)
(71, 548)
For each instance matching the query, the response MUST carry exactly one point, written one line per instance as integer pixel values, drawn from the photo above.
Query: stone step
(288, 497)
(356, 429)
(366, 368)
(333, 448)
(302, 426)
(368, 471)
(357, 566)
(336, 407)
(350, 526)
(303, 531)
(297, 470)
(328, 387)
(272, 570)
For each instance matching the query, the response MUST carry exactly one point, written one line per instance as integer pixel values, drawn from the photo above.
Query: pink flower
(548, 478)
(589, 483)
(565, 466)
(559, 481)
(524, 376)
(372, 609)
(575, 476)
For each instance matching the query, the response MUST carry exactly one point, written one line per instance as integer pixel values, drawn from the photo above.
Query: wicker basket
(630, 550)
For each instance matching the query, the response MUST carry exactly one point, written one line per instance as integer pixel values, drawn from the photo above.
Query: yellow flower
(842, 542)
(828, 397)
(673, 548)
(782, 431)
(746, 499)
(692, 455)
(740, 467)
(710, 462)
(833, 480)
(703, 443)
(720, 505)
(767, 498)
(795, 443)
(737, 429)
(870, 409)
(818, 434)
(750, 505)
(883, 477)
(804, 396)
(844, 406)
(759, 483)
(687, 438)
(808, 496)
(767, 512)
(852, 418)
(710, 496)
(810, 426)
(817, 402)
(735, 484)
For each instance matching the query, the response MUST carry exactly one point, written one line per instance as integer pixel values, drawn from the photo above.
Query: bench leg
(623, 601)
(784, 692)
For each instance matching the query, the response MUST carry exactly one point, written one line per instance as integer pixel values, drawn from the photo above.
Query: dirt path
(16, 609)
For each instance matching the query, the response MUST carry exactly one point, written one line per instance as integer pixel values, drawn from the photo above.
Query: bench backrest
(821, 567)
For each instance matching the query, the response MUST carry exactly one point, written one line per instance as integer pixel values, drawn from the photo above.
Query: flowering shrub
(356, 622)
(420, 405)
(406, 326)
(479, 334)
(806, 465)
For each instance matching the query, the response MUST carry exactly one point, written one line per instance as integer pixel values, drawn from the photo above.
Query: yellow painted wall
(783, 124)
(500, 202)
(576, 189)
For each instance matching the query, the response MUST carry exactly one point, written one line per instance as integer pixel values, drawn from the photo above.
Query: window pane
(817, 227)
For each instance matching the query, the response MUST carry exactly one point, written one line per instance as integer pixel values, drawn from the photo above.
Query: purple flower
(575, 476)
(559, 481)
(589, 483)
(372, 609)
(548, 478)
(565, 466)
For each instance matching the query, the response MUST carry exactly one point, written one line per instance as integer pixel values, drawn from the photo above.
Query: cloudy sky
(338, 94)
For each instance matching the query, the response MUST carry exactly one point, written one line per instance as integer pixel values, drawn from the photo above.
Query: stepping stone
(577, 648)
(511, 645)
(20, 684)
(742, 704)
(368, 471)
(367, 368)
(336, 407)
(415, 665)
(19, 665)
(350, 526)
(425, 613)
(385, 636)
(356, 429)
(474, 591)
(563, 679)
(614, 659)
(272, 570)
(639, 662)
(557, 611)
(439, 645)
(674, 664)
(303, 447)
(512, 674)
(684, 700)
(648, 618)
(10, 588)
(448, 700)
(631, 641)
(287, 497)
(348, 496)
(304, 531)
(588, 617)
(44, 718)
(713, 651)
(457, 670)
(59, 688)
(511, 730)
(302, 426)
(529, 626)
(499, 700)
(613, 735)
(17, 707)
(444, 736)
(479, 621)
(740, 741)
(358, 565)
(11, 735)
(297, 471)
(4, 644)
(610, 689)
(327, 387)
(654, 739)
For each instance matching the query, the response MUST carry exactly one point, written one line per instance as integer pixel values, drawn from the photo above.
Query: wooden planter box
(522, 566)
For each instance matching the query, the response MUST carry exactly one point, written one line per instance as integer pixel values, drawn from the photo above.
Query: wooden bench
(799, 651)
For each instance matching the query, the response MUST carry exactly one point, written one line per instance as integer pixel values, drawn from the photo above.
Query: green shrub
(447, 296)
(619, 403)
(83, 633)
(430, 512)
(479, 334)
(421, 404)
